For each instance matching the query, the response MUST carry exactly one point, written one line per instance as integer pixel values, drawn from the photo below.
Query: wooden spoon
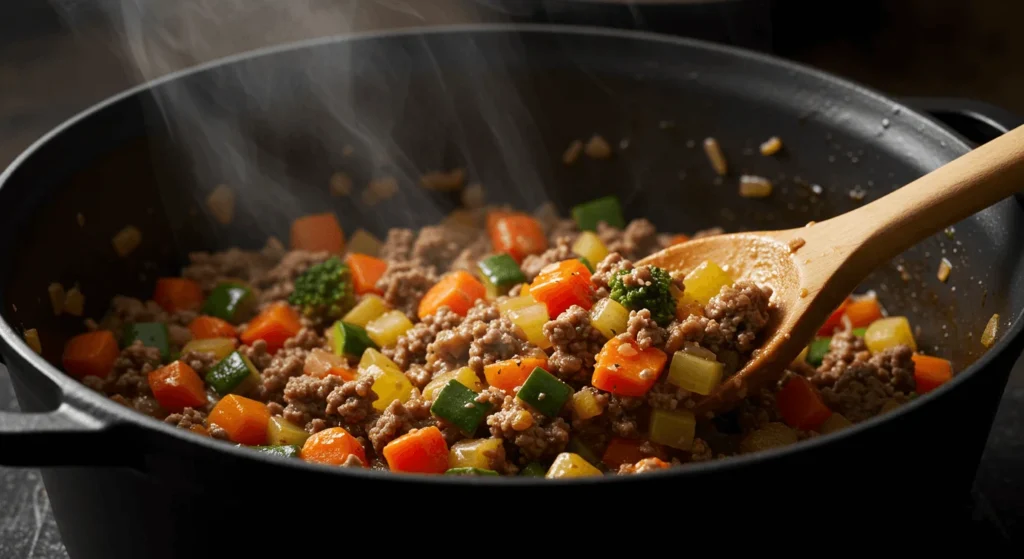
(812, 269)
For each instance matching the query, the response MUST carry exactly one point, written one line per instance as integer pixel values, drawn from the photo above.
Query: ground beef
(200, 361)
(397, 245)
(397, 420)
(257, 354)
(404, 284)
(860, 386)
(562, 229)
(543, 437)
(741, 311)
(352, 401)
(696, 329)
(700, 451)
(143, 403)
(643, 466)
(534, 263)
(233, 264)
(606, 269)
(279, 282)
(219, 433)
(319, 403)
(757, 410)
(411, 348)
(439, 245)
(468, 258)
(642, 328)
(130, 375)
(843, 349)
(449, 351)
(665, 396)
(419, 376)
(128, 310)
(575, 342)
(637, 240)
(621, 414)
(484, 337)
(285, 364)
(187, 418)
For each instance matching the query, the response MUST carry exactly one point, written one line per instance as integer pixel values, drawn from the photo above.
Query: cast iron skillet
(124, 485)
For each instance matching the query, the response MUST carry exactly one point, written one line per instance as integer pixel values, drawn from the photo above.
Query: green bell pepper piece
(606, 209)
(229, 301)
(501, 270)
(350, 339)
(587, 263)
(859, 332)
(284, 450)
(457, 405)
(533, 469)
(152, 334)
(470, 472)
(544, 392)
(584, 451)
(234, 374)
(817, 350)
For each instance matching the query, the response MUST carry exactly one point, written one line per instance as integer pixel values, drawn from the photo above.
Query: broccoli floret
(654, 295)
(324, 291)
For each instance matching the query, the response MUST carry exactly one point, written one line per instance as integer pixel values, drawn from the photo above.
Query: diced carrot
(332, 446)
(366, 270)
(178, 294)
(517, 234)
(458, 290)
(318, 232)
(421, 451)
(244, 420)
(177, 386)
(511, 373)
(205, 327)
(931, 372)
(92, 353)
(678, 239)
(862, 312)
(835, 320)
(274, 325)
(623, 368)
(622, 451)
(800, 404)
(562, 285)
(320, 363)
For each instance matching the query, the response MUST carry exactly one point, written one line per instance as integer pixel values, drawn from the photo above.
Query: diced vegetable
(74, 302)
(589, 246)
(859, 332)
(365, 270)
(229, 301)
(835, 320)
(219, 347)
(772, 435)
(368, 308)
(320, 363)
(274, 325)
(585, 405)
(531, 321)
(207, 327)
(421, 451)
(373, 357)
(862, 312)
(90, 354)
(457, 405)
(364, 242)
(509, 374)
(56, 293)
(889, 332)
(324, 291)
(458, 290)
(562, 285)
(606, 209)
(569, 465)
(464, 375)
(234, 374)
(771, 146)
(516, 303)
(622, 451)
(800, 404)
(389, 385)
(469, 472)
(817, 350)
(577, 446)
(706, 281)
(178, 294)
(516, 234)
(475, 453)
(752, 186)
(931, 372)
(316, 233)
(280, 431)
(623, 368)
(350, 339)
(835, 422)
(500, 271)
(695, 374)
(587, 263)
(609, 317)
(545, 392)
(151, 334)
(126, 240)
(284, 451)
(244, 420)
(176, 387)
(674, 428)
(945, 267)
(32, 340)
(988, 336)
(715, 156)
(333, 446)
(533, 469)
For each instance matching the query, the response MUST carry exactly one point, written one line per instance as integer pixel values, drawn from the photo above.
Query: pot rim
(75, 393)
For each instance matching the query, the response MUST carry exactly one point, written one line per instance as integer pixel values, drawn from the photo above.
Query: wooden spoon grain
(813, 269)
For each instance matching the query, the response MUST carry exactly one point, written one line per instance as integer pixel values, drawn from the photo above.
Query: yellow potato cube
(569, 465)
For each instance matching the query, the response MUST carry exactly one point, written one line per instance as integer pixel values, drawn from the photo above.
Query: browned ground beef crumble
(852, 381)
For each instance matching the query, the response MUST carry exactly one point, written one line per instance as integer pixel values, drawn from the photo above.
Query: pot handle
(62, 437)
(976, 121)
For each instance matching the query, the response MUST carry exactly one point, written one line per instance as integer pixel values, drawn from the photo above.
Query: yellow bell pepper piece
(373, 357)
(695, 374)
(705, 281)
(473, 453)
(834, 423)
(465, 376)
(516, 303)
(569, 465)
(889, 332)
(585, 405)
(368, 308)
(532, 320)
(386, 328)
(389, 385)
(589, 246)
(609, 317)
(282, 431)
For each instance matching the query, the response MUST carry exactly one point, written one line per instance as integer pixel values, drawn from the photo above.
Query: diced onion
(771, 146)
(755, 187)
(945, 267)
(56, 292)
(32, 340)
(988, 337)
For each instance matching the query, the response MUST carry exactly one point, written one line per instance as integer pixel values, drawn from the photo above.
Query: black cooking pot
(504, 102)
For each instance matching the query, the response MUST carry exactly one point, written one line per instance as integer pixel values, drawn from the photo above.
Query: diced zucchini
(889, 332)
(590, 267)
(545, 392)
(695, 374)
(386, 328)
(280, 431)
(673, 428)
(606, 209)
(569, 465)
(457, 405)
(705, 281)
(585, 405)
(229, 301)
(470, 472)
(577, 447)
(284, 450)
(817, 350)
(501, 271)
(350, 339)
(609, 317)
(464, 375)
(151, 334)
(219, 347)
(533, 469)
(474, 453)
(772, 435)
(835, 422)
(859, 332)
(516, 303)
(389, 385)
(369, 307)
(234, 374)
(532, 320)
(373, 357)
(589, 246)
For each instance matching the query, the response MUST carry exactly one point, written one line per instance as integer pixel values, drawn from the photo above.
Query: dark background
(56, 62)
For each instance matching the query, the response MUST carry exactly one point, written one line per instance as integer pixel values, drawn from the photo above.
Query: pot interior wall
(505, 107)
